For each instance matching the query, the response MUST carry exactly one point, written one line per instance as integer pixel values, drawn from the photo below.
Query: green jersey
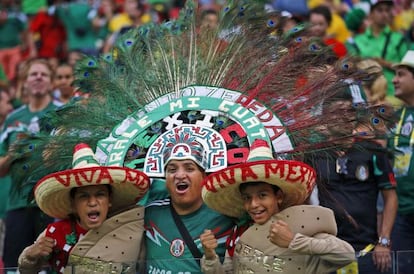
(166, 250)
(22, 120)
(403, 142)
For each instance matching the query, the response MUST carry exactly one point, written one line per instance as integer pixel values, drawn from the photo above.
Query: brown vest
(114, 247)
(256, 254)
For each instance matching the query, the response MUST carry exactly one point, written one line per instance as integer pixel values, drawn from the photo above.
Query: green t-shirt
(5, 183)
(32, 6)
(12, 28)
(388, 45)
(3, 76)
(402, 142)
(20, 120)
(166, 250)
(79, 29)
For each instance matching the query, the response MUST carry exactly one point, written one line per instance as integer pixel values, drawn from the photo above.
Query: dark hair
(390, 4)
(410, 69)
(206, 12)
(243, 186)
(73, 191)
(324, 11)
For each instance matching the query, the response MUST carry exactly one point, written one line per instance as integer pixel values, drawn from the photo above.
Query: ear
(279, 197)
(110, 201)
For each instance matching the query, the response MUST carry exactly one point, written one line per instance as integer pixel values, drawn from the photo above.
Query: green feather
(245, 53)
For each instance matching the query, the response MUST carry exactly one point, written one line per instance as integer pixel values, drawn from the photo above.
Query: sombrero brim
(221, 189)
(52, 192)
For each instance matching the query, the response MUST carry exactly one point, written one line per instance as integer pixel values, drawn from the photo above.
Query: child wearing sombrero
(100, 228)
(284, 235)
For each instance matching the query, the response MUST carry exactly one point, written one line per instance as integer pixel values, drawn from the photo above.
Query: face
(289, 24)
(339, 111)
(261, 202)
(210, 21)
(5, 106)
(131, 8)
(404, 84)
(39, 80)
(381, 15)
(74, 57)
(91, 205)
(319, 25)
(63, 79)
(183, 179)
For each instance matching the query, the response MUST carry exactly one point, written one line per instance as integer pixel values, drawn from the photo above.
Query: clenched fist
(209, 242)
(41, 248)
(280, 234)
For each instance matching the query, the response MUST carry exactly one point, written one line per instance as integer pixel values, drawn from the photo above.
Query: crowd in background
(62, 31)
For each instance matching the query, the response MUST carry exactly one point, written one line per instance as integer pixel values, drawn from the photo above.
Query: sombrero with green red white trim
(52, 192)
(295, 179)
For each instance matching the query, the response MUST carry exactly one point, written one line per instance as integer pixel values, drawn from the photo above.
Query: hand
(42, 247)
(209, 242)
(383, 63)
(382, 258)
(280, 234)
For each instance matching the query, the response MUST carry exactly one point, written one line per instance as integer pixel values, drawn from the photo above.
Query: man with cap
(380, 42)
(282, 235)
(175, 222)
(100, 228)
(402, 143)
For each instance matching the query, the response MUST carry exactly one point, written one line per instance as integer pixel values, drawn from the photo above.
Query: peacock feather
(291, 75)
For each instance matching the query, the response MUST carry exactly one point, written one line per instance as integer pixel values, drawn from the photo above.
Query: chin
(94, 225)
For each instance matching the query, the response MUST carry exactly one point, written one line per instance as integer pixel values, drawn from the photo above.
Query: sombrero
(408, 60)
(52, 192)
(221, 189)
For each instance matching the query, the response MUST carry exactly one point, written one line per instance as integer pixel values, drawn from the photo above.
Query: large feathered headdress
(244, 80)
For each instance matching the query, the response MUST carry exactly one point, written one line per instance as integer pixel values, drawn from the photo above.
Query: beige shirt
(115, 247)
(314, 249)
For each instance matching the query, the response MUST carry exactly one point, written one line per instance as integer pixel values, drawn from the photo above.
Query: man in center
(175, 222)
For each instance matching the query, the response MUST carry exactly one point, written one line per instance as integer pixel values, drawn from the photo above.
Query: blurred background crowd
(63, 31)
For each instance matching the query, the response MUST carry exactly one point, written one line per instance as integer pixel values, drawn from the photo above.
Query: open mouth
(94, 216)
(182, 187)
(257, 214)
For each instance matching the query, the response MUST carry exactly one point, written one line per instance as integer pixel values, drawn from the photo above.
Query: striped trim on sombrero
(221, 189)
(52, 192)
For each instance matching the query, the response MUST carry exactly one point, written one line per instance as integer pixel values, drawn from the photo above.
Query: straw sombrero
(221, 189)
(52, 192)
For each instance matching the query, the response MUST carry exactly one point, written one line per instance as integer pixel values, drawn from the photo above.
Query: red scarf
(66, 233)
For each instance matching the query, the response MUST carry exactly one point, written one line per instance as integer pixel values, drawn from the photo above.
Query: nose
(254, 202)
(92, 201)
(180, 173)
